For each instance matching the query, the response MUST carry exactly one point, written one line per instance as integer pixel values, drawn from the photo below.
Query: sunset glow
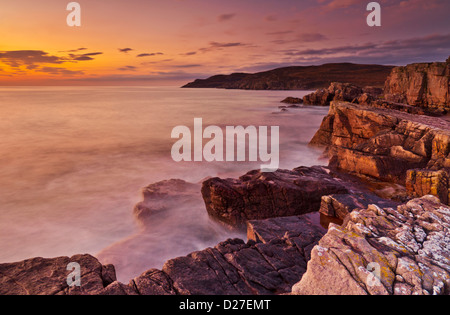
(175, 41)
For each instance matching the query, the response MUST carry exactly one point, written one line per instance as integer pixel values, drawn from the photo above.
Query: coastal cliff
(423, 84)
(299, 78)
(388, 145)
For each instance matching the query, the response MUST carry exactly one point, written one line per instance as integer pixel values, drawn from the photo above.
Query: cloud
(219, 46)
(226, 17)
(187, 66)
(190, 53)
(150, 54)
(59, 71)
(125, 50)
(279, 33)
(417, 49)
(74, 50)
(84, 57)
(17, 58)
(340, 4)
(417, 45)
(127, 68)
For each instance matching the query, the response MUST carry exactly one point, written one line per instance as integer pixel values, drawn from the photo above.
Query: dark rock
(339, 206)
(39, 276)
(276, 228)
(259, 195)
(292, 100)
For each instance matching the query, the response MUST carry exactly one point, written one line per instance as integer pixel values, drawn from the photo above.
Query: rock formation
(383, 144)
(39, 276)
(292, 100)
(161, 196)
(421, 84)
(388, 251)
(344, 92)
(259, 195)
(270, 264)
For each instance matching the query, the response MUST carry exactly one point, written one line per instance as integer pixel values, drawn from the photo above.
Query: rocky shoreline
(375, 221)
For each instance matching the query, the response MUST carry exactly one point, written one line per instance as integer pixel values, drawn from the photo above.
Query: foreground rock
(399, 251)
(41, 276)
(383, 144)
(270, 264)
(257, 195)
(423, 84)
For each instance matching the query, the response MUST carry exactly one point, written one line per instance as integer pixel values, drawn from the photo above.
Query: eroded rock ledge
(386, 145)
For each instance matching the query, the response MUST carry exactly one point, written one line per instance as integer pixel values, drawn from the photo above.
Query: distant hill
(299, 78)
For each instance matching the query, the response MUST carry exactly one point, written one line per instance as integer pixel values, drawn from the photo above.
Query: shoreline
(402, 233)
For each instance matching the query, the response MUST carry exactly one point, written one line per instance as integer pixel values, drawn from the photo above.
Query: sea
(74, 160)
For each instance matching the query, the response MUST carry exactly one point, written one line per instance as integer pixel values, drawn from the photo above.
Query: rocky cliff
(423, 84)
(385, 144)
(299, 78)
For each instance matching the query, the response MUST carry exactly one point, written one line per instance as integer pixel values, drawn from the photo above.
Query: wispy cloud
(219, 46)
(127, 68)
(125, 50)
(190, 53)
(84, 57)
(226, 17)
(150, 54)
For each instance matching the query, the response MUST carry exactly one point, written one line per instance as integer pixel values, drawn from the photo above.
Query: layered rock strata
(421, 84)
(383, 144)
(388, 251)
(344, 92)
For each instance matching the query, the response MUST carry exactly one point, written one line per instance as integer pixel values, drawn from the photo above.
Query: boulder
(258, 195)
(422, 84)
(161, 196)
(427, 182)
(40, 276)
(292, 100)
(402, 251)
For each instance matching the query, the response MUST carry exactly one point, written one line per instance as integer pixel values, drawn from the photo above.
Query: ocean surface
(73, 161)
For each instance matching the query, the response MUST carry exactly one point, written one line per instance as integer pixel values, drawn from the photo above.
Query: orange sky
(175, 41)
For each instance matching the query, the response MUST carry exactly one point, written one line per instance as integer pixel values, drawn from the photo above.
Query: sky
(171, 42)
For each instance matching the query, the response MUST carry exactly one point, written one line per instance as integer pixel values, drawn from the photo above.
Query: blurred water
(73, 161)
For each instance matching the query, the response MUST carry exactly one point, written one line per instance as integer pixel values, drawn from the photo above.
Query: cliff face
(386, 144)
(299, 78)
(422, 84)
